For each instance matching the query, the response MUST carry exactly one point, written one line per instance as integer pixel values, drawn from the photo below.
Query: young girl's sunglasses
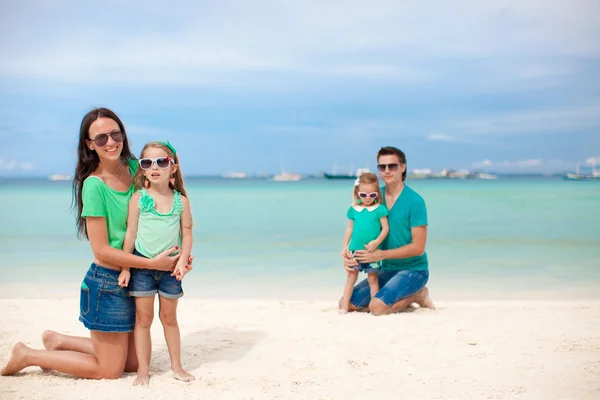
(371, 195)
(161, 162)
(101, 139)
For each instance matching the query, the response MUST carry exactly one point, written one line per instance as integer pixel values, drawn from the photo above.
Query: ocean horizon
(515, 237)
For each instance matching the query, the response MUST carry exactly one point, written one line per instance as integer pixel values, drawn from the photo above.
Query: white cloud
(220, 43)
(443, 138)
(510, 164)
(593, 161)
(14, 165)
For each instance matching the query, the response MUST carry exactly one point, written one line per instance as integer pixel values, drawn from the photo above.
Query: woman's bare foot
(423, 299)
(17, 360)
(142, 380)
(182, 375)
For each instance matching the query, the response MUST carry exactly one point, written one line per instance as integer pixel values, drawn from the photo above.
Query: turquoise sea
(512, 237)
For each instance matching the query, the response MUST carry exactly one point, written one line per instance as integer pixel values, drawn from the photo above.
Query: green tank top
(158, 232)
(100, 200)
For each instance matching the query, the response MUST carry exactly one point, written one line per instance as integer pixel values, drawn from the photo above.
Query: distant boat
(578, 176)
(346, 176)
(56, 177)
(286, 176)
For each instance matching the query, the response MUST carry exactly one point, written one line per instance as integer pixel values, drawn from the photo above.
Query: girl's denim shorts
(104, 305)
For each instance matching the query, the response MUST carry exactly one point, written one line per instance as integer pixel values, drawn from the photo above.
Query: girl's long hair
(367, 178)
(88, 161)
(139, 179)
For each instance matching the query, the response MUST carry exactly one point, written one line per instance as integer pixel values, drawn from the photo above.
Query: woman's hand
(365, 256)
(165, 262)
(349, 262)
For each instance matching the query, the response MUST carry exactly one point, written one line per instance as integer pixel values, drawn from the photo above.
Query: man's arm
(414, 249)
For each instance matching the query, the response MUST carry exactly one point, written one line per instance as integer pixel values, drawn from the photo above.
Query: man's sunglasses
(371, 195)
(161, 162)
(392, 167)
(101, 139)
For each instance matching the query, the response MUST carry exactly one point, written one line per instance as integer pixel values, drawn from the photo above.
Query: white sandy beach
(305, 350)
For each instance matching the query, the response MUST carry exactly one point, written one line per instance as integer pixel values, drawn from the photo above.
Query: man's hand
(124, 278)
(349, 262)
(365, 256)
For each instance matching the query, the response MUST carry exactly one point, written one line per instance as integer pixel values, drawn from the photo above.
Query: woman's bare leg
(348, 288)
(108, 361)
(168, 317)
(57, 341)
(144, 314)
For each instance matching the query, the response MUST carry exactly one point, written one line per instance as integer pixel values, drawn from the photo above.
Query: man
(405, 269)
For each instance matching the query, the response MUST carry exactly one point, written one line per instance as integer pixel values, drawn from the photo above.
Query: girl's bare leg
(57, 341)
(373, 279)
(106, 362)
(348, 288)
(144, 314)
(168, 317)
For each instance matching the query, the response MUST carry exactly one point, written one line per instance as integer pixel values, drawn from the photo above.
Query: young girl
(367, 228)
(159, 218)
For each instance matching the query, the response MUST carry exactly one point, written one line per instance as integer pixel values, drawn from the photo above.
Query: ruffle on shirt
(147, 203)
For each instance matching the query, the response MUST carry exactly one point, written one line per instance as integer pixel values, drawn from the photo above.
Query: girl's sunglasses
(371, 195)
(392, 167)
(101, 139)
(161, 162)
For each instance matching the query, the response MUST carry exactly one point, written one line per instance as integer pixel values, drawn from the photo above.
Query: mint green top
(158, 232)
(100, 200)
(367, 224)
(408, 211)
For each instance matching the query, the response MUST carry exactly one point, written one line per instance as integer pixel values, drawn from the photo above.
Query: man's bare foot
(343, 311)
(142, 380)
(17, 360)
(423, 299)
(182, 375)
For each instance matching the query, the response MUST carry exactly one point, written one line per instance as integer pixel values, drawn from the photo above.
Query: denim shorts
(367, 267)
(393, 287)
(148, 282)
(104, 305)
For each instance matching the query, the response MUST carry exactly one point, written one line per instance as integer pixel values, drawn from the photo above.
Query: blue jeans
(393, 287)
(148, 282)
(104, 305)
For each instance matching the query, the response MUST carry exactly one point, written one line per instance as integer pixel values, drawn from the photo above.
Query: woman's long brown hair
(88, 161)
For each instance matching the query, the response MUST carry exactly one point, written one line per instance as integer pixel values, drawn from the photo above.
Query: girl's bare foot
(182, 375)
(423, 299)
(142, 380)
(17, 360)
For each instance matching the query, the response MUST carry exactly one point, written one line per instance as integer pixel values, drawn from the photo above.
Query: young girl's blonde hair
(366, 178)
(139, 180)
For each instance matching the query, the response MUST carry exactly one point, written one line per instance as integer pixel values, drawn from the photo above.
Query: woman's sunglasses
(161, 162)
(371, 195)
(101, 139)
(392, 167)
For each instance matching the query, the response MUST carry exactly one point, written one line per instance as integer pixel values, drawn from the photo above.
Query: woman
(102, 188)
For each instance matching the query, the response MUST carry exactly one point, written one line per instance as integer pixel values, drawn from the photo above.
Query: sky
(303, 86)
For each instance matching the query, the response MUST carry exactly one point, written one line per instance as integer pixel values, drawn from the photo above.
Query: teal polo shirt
(409, 211)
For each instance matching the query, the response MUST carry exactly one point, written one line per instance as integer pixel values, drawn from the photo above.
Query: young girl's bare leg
(144, 313)
(373, 279)
(168, 317)
(348, 288)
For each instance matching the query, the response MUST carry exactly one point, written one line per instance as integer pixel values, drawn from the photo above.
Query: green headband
(170, 146)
